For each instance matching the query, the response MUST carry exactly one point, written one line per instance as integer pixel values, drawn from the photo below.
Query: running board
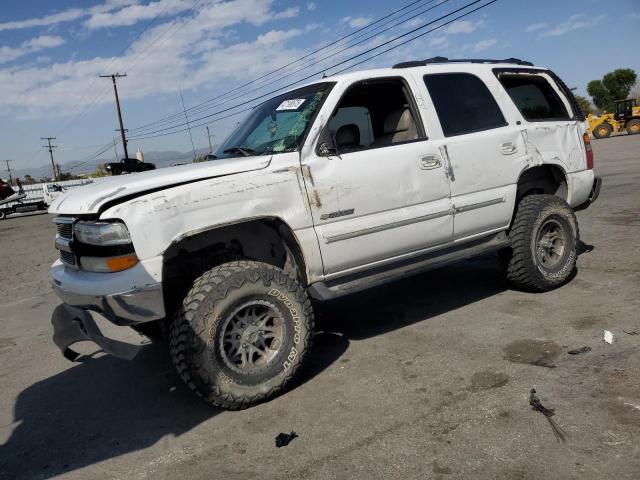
(389, 273)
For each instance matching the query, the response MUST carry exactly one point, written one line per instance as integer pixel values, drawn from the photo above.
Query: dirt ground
(426, 378)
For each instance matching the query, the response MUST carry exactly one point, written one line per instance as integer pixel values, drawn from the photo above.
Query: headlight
(102, 234)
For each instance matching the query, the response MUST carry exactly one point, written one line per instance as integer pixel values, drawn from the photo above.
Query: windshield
(278, 125)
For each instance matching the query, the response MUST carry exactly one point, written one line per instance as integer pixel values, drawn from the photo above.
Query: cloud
(463, 26)
(311, 6)
(356, 22)
(484, 44)
(574, 22)
(132, 14)
(536, 26)
(8, 54)
(65, 16)
(44, 41)
(198, 53)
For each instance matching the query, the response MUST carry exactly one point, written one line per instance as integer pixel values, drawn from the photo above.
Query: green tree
(614, 86)
(585, 104)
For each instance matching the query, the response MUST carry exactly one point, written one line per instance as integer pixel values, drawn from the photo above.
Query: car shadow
(106, 407)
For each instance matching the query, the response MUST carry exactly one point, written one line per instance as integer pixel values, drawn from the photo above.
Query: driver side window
(373, 114)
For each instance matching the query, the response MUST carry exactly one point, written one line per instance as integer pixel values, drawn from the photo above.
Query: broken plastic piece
(283, 439)
(578, 351)
(608, 336)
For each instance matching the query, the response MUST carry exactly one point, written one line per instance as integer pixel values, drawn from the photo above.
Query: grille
(67, 257)
(65, 230)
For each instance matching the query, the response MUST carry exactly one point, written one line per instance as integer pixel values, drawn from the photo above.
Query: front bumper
(124, 298)
(72, 325)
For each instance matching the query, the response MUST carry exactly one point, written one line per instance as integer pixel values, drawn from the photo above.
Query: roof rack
(431, 61)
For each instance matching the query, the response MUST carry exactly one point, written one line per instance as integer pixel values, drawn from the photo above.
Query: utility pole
(50, 148)
(115, 91)
(209, 138)
(9, 170)
(188, 126)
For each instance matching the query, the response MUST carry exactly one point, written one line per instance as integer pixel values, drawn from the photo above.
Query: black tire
(199, 333)
(542, 224)
(3, 215)
(633, 126)
(602, 130)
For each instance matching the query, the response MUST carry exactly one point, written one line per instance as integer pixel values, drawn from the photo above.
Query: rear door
(484, 152)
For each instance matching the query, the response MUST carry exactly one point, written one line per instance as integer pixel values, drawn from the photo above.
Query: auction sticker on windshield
(292, 104)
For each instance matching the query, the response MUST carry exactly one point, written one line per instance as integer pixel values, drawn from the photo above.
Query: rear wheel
(633, 126)
(3, 215)
(603, 130)
(543, 238)
(242, 333)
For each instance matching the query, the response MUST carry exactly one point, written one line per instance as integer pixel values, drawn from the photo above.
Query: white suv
(331, 188)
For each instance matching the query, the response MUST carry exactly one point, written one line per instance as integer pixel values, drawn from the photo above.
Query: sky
(52, 53)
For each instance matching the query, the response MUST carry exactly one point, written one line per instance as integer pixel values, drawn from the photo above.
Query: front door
(384, 194)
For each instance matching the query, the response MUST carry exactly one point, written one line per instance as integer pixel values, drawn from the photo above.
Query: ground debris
(283, 439)
(608, 336)
(578, 351)
(631, 332)
(536, 405)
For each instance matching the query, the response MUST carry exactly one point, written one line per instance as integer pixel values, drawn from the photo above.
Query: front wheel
(543, 239)
(241, 334)
(603, 130)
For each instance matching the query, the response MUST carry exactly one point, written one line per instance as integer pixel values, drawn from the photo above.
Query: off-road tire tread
(521, 271)
(216, 284)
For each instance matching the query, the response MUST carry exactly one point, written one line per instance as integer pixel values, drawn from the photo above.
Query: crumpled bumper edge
(72, 325)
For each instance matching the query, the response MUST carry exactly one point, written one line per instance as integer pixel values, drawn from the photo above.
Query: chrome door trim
(474, 206)
(387, 226)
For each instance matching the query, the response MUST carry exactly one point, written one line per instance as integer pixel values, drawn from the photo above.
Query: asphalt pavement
(427, 378)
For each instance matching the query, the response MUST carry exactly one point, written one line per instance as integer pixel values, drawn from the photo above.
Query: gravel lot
(426, 378)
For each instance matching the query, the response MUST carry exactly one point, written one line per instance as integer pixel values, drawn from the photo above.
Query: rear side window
(463, 103)
(535, 97)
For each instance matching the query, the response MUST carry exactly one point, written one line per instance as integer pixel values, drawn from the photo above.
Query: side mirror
(326, 143)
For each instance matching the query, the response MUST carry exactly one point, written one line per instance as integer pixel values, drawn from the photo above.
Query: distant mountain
(161, 159)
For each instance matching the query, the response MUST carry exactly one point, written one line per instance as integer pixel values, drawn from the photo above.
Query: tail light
(589, 150)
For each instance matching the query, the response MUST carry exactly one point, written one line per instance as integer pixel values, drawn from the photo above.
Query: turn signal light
(117, 264)
(589, 150)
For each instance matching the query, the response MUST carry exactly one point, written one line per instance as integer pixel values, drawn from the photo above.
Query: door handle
(429, 162)
(508, 148)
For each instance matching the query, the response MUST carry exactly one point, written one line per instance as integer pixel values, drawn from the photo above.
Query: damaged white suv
(328, 189)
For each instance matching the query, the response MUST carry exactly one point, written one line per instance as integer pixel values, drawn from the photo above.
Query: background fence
(35, 192)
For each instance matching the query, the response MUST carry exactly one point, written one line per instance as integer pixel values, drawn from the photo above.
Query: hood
(91, 198)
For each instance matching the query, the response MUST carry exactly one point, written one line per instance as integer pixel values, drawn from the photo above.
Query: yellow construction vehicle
(626, 117)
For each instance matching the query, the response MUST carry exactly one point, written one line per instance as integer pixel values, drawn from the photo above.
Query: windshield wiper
(247, 152)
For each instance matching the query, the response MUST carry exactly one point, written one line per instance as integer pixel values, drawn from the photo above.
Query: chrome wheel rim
(252, 336)
(550, 244)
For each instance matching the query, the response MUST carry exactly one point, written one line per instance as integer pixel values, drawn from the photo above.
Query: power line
(167, 123)
(316, 61)
(343, 61)
(335, 42)
(102, 95)
(188, 127)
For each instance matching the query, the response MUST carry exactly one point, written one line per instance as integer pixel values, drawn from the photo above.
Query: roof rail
(430, 61)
